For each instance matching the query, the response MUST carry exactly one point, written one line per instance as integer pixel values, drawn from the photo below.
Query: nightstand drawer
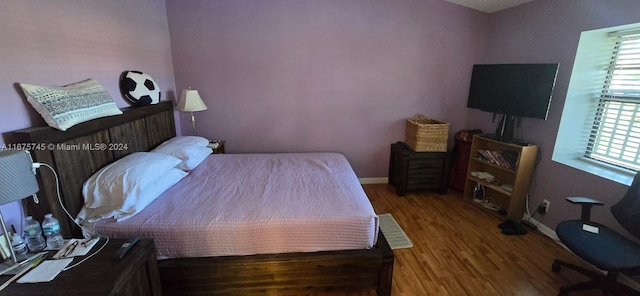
(410, 170)
(434, 164)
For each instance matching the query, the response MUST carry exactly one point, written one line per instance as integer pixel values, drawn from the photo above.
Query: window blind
(615, 134)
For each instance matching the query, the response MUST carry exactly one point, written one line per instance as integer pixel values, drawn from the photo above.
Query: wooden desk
(135, 274)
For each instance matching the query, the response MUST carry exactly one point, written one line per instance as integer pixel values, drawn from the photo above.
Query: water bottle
(18, 245)
(51, 228)
(33, 234)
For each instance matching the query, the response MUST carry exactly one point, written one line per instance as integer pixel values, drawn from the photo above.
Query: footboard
(294, 273)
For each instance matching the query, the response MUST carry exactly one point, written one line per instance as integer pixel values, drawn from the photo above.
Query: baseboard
(542, 228)
(381, 180)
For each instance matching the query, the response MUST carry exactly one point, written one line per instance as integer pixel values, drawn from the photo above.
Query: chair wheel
(555, 267)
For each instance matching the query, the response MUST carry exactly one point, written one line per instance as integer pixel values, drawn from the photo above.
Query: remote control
(126, 247)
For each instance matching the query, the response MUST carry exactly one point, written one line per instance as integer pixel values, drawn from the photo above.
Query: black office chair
(599, 245)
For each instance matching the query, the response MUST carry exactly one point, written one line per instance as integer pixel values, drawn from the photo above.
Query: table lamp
(190, 101)
(17, 181)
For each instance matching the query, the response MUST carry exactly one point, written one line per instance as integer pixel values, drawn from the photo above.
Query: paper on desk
(80, 250)
(45, 271)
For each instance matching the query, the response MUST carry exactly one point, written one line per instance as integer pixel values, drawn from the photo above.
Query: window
(599, 130)
(615, 135)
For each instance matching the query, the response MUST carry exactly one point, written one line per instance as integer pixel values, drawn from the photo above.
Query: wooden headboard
(83, 149)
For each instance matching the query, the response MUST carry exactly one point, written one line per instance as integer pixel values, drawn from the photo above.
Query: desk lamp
(17, 181)
(190, 101)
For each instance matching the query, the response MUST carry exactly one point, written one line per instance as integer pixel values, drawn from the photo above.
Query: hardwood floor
(459, 250)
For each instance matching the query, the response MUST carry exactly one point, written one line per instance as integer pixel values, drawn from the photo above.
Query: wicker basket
(427, 134)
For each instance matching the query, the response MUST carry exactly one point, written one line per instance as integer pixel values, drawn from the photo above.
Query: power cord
(488, 203)
(37, 165)
(87, 257)
(528, 222)
(479, 196)
(55, 175)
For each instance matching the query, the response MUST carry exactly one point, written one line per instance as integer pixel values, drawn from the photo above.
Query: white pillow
(191, 154)
(147, 196)
(151, 193)
(65, 106)
(196, 157)
(188, 141)
(120, 184)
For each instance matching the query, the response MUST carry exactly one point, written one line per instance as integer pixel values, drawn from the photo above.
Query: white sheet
(244, 204)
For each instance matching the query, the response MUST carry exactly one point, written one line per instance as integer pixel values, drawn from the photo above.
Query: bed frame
(85, 148)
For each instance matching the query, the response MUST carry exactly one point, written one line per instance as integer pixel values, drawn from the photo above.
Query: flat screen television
(513, 90)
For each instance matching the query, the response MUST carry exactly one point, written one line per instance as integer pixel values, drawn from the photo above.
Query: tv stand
(506, 128)
(519, 142)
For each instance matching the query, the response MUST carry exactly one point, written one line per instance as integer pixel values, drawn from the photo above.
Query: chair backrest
(627, 210)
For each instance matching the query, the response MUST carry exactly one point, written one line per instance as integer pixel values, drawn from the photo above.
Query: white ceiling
(489, 6)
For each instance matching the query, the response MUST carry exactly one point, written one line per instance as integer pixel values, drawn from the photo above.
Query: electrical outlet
(545, 205)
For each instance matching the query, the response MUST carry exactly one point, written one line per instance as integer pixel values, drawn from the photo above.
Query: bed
(144, 128)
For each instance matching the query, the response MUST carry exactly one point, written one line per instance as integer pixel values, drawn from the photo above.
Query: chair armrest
(586, 204)
(584, 200)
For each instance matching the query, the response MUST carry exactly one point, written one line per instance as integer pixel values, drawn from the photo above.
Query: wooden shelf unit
(519, 177)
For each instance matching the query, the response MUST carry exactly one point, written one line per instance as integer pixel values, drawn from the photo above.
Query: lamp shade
(17, 179)
(190, 101)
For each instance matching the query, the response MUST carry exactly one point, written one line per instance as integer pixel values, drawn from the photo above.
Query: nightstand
(411, 170)
(135, 274)
(216, 146)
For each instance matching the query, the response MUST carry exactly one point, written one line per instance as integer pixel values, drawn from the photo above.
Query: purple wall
(288, 75)
(302, 75)
(60, 42)
(331, 75)
(548, 31)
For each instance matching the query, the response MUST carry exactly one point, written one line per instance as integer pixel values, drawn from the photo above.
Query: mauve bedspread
(244, 204)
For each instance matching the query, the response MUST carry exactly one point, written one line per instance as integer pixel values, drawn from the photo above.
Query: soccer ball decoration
(139, 88)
